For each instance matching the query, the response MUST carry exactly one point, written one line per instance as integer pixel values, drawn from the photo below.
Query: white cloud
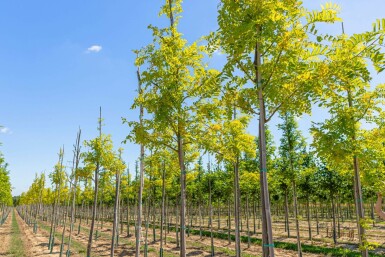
(5, 130)
(218, 52)
(94, 49)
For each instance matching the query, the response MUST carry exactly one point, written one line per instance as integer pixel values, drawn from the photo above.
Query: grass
(327, 251)
(75, 245)
(229, 252)
(15, 249)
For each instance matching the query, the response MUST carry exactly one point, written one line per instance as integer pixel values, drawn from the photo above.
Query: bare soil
(195, 245)
(5, 236)
(36, 245)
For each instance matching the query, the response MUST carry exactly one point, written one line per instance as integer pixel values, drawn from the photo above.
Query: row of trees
(277, 64)
(5, 184)
(299, 181)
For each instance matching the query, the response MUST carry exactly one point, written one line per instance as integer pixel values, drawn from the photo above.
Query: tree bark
(378, 207)
(138, 230)
(116, 213)
(267, 232)
(94, 206)
(287, 214)
(163, 210)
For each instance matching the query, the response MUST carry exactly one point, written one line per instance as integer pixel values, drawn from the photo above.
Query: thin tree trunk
(229, 221)
(360, 214)
(308, 218)
(73, 206)
(116, 211)
(182, 196)
(334, 221)
(211, 215)
(163, 210)
(237, 207)
(287, 226)
(378, 207)
(55, 207)
(254, 217)
(138, 229)
(296, 219)
(267, 232)
(247, 221)
(94, 206)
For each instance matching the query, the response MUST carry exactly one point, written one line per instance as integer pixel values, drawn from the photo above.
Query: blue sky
(50, 84)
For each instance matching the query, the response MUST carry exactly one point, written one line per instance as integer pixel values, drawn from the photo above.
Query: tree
(291, 152)
(226, 137)
(74, 178)
(99, 157)
(117, 166)
(347, 95)
(58, 178)
(5, 184)
(330, 181)
(268, 43)
(175, 83)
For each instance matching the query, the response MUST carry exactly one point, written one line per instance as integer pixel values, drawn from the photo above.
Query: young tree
(92, 159)
(175, 83)
(99, 157)
(5, 183)
(117, 166)
(268, 43)
(291, 153)
(74, 178)
(226, 137)
(350, 101)
(58, 178)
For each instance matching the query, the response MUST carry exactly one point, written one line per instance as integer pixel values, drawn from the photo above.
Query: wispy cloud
(94, 49)
(218, 52)
(5, 130)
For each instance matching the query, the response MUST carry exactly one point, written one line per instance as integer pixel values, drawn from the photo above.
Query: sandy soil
(195, 245)
(36, 245)
(5, 235)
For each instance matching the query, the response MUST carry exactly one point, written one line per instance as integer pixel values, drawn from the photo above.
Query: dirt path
(36, 245)
(5, 235)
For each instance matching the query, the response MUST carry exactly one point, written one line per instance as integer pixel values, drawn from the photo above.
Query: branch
(244, 70)
(279, 106)
(273, 71)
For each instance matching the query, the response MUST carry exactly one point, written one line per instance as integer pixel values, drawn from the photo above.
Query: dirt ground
(195, 245)
(37, 244)
(5, 236)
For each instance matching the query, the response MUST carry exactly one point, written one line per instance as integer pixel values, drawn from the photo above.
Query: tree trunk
(116, 213)
(138, 229)
(359, 206)
(267, 232)
(237, 207)
(287, 214)
(94, 206)
(334, 220)
(378, 207)
(73, 206)
(247, 222)
(182, 196)
(163, 210)
(308, 217)
(229, 221)
(296, 219)
(211, 216)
